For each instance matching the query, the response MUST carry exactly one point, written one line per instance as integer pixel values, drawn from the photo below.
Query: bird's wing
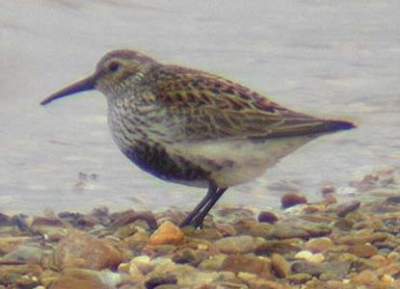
(201, 106)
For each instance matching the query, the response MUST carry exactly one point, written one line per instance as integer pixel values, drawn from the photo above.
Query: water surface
(332, 59)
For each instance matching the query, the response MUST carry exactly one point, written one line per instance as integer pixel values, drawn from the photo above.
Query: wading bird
(195, 128)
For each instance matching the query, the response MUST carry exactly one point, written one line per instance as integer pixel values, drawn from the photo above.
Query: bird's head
(115, 72)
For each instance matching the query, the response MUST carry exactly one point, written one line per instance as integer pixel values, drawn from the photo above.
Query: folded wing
(204, 107)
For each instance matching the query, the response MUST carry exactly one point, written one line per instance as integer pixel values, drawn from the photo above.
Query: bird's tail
(310, 127)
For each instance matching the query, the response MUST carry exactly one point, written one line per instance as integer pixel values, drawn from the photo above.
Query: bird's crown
(118, 68)
(119, 59)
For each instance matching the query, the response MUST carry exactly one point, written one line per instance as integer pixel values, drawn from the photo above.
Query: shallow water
(328, 59)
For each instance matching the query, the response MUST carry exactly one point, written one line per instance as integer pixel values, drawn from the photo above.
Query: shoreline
(328, 243)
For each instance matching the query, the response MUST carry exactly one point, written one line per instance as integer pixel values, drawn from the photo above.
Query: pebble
(130, 216)
(51, 228)
(167, 233)
(213, 263)
(388, 280)
(87, 279)
(319, 245)
(330, 199)
(211, 234)
(292, 199)
(135, 273)
(310, 257)
(125, 231)
(343, 224)
(22, 273)
(185, 275)
(9, 244)
(344, 209)
(226, 230)
(327, 270)
(78, 220)
(250, 264)
(254, 228)
(189, 278)
(239, 244)
(394, 256)
(233, 214)
(267, 217)
(282, 247)
(189, 256)
(266, 284)
(159, 250)
(363, 250)
(81, 250)
(280, 266)
(313, 269)
(26, 253)
(393, 200)
(328, 189)
(137, 241)
(156, 281)
(288, 231)
(361, 237)
(366, 277)
(166, 286)
(5, 220)
(143, 263)
(299, 278)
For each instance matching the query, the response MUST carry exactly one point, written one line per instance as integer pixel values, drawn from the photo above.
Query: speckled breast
(149, 154)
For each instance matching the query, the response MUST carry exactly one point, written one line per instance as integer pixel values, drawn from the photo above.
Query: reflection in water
(320, 58)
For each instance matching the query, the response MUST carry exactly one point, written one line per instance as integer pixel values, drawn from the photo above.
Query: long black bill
(82, 85)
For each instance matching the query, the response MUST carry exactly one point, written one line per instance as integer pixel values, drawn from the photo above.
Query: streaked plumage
(196, 128)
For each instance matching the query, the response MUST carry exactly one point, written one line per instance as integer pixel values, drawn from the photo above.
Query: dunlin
(195, 128)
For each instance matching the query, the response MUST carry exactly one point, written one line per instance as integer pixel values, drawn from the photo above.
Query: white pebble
(310, 257)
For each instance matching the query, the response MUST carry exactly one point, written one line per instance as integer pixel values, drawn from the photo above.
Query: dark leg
(198, 220)
(211, 191)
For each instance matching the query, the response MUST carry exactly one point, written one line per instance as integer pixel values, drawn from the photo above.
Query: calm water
(320, 57)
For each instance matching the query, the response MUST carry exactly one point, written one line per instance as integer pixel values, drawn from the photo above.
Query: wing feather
(202, 106)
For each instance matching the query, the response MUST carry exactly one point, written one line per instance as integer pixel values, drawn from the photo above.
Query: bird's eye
(113, 66)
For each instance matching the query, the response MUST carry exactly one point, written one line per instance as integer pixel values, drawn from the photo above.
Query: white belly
(235, 162)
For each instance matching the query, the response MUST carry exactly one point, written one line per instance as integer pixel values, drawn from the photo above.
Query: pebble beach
(332, 244)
